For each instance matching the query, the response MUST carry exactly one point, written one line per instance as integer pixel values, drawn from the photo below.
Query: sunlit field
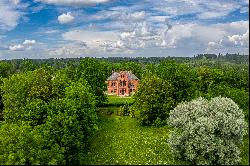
(118, 101)
(121, 140)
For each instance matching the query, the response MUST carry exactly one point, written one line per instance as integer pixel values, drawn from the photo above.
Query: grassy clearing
(121, 140)
(119, 101)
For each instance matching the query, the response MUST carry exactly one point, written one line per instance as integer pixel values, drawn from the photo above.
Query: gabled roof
(130, 75)
(114, 76)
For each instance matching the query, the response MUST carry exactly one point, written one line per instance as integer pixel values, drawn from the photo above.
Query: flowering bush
(207, 132)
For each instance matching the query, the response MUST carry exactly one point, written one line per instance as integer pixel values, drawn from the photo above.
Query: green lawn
(118, 101)
(121, 140)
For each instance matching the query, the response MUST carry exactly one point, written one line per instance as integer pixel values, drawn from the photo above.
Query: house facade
(123, 83)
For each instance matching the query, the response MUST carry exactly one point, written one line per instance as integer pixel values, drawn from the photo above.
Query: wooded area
(52, 110)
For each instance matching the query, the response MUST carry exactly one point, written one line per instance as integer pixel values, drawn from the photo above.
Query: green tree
(27, 65)
(22, 89)
(94, 73)
(154, 99)
(50, 127)
(182, 78)
(4, 69)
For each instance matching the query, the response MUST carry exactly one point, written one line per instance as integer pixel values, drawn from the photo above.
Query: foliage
(124, 110)
(23, 145)
(154, 99)
(181, 77)
(239, 96)
(21, 89)
(94, 73)
(4, 69)
(208, 132)
(27, 65)
(44, 120)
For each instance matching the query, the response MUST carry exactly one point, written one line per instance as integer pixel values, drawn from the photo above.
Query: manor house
(123, 83)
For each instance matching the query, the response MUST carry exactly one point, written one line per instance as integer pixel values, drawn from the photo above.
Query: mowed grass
(119, 101)
(120, 140)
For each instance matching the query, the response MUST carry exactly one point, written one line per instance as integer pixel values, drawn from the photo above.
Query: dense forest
(191, 111)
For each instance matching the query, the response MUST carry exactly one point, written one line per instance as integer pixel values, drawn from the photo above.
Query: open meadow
(122, 140)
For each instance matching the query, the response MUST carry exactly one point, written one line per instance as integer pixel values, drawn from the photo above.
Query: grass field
(118, 101)
(120, 140)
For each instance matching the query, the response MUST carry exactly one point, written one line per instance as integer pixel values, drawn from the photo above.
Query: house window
(113, 84)
(131, 84)
(131, 90)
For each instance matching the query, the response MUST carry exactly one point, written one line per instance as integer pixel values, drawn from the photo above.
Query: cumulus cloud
(26, 45)
(233, 41)
(9, 15)
(29, 42)
(66, 18)
(76, 3)
(240, 39)
(91, 38)
(17, 47)
(173, 36)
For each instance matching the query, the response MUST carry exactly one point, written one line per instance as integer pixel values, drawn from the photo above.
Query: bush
(207, 132)
(124, 110)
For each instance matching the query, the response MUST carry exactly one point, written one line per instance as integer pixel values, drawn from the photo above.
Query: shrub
(124, 110)
(207, 132)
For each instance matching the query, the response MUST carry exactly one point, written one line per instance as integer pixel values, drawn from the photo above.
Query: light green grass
(118, 101)
(120, 140)
(245, 151)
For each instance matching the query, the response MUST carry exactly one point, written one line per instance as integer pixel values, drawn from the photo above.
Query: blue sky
(127, 28)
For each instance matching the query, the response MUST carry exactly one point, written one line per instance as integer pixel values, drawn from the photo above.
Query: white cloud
(29, 42)
(26, 45)
(240, 39)
(91, 38)
(9, 15)
(17, 47)
(233, 42)
(203, 9)
(66, 18)
(73, 2)
(209, 15)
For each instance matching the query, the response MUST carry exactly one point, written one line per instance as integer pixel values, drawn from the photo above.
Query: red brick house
(123, 83)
